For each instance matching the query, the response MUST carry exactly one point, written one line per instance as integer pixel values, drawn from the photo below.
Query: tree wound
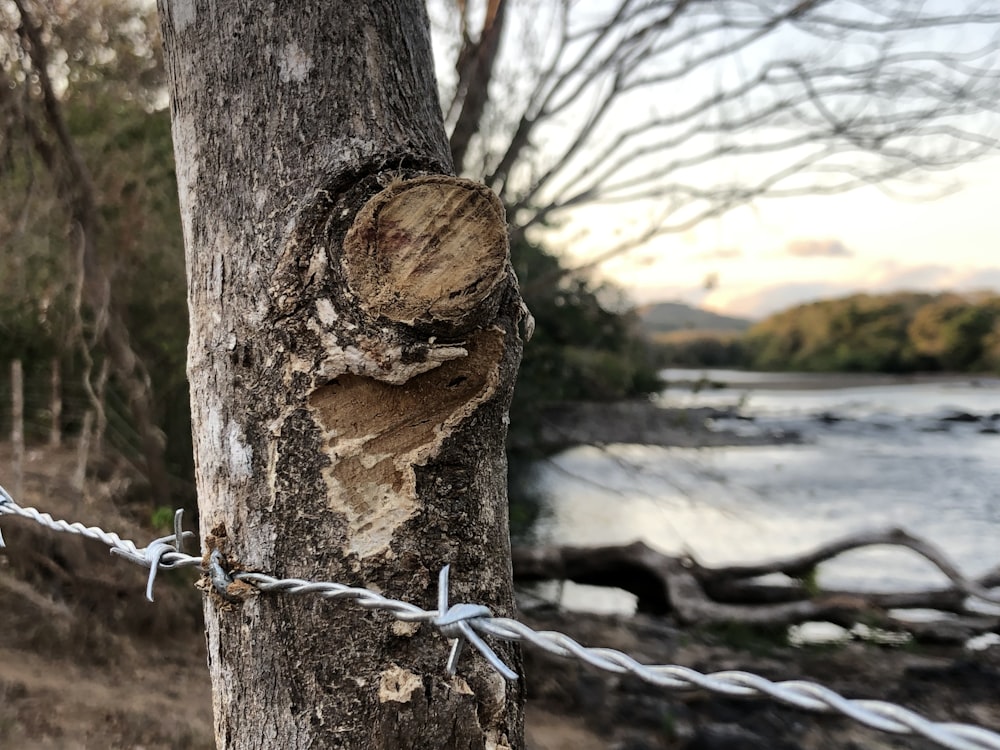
(375, 433)
(429, 251)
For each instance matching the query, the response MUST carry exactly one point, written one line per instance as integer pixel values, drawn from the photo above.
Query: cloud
(887, 277)
(721, 253)
(764, 301)
(935, 277)
(828, 248)
(891, 275)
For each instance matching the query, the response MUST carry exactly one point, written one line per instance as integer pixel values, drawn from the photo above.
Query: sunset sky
(778, 252)
(782, 252)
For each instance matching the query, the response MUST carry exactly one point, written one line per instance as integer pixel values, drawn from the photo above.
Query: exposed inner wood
(428, 250)
(376, 432)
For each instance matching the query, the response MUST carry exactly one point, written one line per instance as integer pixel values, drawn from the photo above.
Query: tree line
(902, 332)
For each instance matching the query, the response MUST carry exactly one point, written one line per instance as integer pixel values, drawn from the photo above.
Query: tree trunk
(353, 349)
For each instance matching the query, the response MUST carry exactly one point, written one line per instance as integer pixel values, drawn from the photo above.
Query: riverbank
(714, 379)
(918, 453)
(677, 419)
(644, 423)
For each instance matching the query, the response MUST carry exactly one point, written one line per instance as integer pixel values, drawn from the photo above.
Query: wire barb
(455, 622)
(152, 556)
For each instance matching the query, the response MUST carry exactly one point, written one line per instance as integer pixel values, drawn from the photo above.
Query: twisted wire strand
(164, 553)
(461, 622)
(363, 597)
(125, 547)
(880, 715)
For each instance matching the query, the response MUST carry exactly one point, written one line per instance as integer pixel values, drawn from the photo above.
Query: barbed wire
(466, 623)
(165, 553)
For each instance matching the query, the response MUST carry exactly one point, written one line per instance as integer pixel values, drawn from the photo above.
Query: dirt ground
(86, 662)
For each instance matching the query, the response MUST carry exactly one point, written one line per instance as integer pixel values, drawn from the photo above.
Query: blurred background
(769, 228)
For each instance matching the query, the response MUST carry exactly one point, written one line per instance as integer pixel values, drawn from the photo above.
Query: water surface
(924, 456)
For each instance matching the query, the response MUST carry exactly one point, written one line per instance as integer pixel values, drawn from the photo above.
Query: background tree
(76, 85)
(954, 331)
(899, 332)
(688, 109)
(353, 349)
(683, 110)
(587, 346)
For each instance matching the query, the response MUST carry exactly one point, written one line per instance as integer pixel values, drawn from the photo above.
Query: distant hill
(668, 317)
(897, 332)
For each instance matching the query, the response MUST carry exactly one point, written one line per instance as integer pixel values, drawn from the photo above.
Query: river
(923, 454)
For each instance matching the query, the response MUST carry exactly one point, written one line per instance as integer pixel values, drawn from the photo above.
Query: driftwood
(695, 594)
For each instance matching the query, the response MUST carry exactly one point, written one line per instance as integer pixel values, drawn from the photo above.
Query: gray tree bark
(354, 342)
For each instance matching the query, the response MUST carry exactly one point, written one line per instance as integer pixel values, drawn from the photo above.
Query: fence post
(55, 405)
(100, 417)
(82, 453)
(17, 426)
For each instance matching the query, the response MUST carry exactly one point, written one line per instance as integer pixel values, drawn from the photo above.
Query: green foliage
(810, 582)
(668, 725)
(106, 56)
(129, 153)
(581, 350)
(759, 640)
(699, 349)
(162, 518)
(957, 332)
(527, 501)
(893, 333)
(36, 276)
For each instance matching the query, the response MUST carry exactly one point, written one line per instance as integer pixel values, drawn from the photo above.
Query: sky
(774, 254)
(779, 252)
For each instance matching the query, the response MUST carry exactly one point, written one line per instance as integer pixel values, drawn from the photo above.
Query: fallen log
(700, 595)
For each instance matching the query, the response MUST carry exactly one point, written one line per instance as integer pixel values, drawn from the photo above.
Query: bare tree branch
(799, 565)
(475, 69)
(635, 101)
